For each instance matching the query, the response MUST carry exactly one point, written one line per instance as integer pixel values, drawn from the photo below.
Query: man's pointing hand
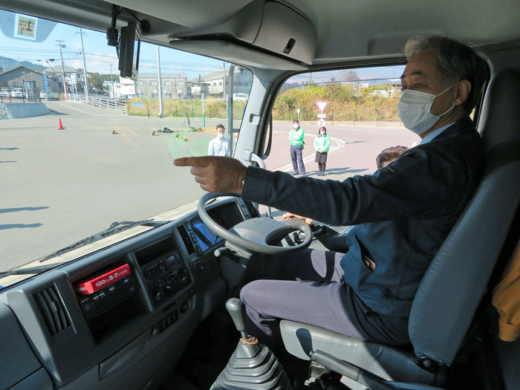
(215, 174)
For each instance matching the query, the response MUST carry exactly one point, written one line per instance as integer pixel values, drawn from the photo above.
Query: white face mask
(220, 135)
(322, 132)
(414, 110)
(295, 126)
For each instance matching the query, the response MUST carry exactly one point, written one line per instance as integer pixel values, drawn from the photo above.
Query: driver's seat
(456, 280)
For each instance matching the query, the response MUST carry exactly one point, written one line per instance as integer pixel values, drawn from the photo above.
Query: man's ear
(462, 92)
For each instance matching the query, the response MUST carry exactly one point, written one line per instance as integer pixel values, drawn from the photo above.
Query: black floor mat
(209, 350)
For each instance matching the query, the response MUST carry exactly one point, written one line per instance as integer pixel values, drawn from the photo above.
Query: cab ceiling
(346, 30)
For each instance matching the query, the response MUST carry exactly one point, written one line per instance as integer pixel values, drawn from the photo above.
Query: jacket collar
(463, 126)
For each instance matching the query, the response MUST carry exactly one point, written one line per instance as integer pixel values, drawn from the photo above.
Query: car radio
(109, 298)
(163, 269)
(105, 291)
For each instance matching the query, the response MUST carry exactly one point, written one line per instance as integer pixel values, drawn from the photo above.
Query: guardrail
(108, 104)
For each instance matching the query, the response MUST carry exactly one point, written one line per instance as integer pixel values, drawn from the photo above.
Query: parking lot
(59, 186)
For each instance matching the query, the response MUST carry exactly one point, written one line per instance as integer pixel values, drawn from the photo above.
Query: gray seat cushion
(388, 362)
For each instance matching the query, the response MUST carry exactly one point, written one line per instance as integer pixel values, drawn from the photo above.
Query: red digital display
(99, 282)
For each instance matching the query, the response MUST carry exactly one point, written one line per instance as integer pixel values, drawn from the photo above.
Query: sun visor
(271, 26)
(286, 33)
(235, 53)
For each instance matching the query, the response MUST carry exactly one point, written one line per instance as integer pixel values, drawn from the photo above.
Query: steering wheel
(258, 234)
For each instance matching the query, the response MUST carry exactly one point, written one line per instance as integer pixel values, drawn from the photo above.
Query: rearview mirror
(129, 48)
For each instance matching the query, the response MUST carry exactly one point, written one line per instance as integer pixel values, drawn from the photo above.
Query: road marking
(88, 113)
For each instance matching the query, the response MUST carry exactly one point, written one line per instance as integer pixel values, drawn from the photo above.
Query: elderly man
(402, 213)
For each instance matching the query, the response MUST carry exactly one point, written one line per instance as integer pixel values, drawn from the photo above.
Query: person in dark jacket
(402, 213)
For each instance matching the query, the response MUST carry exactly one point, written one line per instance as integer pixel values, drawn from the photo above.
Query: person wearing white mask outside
(219, 146)
(402, 213)
(321, 146)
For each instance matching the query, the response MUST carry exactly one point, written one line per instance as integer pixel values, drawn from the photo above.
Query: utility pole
(224, 90)
(393, 81)
(112, 82)
(85, 84)
(60, 45)
(203, 114)
(160, 83)
(137, 89)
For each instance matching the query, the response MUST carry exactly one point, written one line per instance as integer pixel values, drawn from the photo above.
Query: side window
(355, 108)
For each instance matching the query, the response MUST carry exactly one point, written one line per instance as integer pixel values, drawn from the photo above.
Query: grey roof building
(69, 72)
(242, 82)
(22, 77)
(174, 85)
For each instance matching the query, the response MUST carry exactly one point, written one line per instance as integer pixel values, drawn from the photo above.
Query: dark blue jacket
(403, 212)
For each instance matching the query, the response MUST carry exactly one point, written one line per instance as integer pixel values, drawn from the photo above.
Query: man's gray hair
(455, 62)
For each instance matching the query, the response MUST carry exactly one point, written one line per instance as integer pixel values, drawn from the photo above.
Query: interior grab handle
(252, 157)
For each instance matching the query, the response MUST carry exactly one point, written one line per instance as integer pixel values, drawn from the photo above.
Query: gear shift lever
(252, 365)
(237, 311)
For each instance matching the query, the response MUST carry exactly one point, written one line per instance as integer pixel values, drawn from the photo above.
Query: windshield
(83, 149)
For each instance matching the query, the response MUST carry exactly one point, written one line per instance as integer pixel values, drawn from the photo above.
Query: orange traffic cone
(60, 126)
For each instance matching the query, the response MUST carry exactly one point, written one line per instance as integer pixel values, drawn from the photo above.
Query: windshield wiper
(114, 228)
(28, 271)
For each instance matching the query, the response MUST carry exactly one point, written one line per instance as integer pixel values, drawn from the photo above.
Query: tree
(349, 75)
(95, 81)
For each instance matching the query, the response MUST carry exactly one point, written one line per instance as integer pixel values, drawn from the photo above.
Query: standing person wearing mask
(220, 145)
(321, 146)
(296, 140)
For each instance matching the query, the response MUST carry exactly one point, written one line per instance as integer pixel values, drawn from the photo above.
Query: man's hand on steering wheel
(215, 174)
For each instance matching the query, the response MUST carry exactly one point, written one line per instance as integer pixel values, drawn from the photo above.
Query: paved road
(61, 186)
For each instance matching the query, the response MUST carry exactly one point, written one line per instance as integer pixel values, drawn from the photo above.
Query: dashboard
(120, 317)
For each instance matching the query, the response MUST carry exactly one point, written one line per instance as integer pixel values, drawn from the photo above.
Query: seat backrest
(456, 280)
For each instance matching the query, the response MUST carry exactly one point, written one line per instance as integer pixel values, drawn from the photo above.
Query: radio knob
(159, 292)
(183, 274)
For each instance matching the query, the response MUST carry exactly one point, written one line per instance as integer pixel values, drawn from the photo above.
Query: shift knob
(237, 311)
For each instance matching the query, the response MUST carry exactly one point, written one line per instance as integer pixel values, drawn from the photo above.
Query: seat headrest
(499, 121)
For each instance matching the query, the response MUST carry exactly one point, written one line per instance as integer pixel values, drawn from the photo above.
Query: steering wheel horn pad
(256, 234)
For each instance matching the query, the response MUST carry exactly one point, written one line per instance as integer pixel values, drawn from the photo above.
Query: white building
(242, 82)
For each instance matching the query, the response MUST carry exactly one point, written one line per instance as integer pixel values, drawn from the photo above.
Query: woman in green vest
(321, 146)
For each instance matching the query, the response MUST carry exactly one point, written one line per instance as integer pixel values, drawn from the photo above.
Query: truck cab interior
(163, 323)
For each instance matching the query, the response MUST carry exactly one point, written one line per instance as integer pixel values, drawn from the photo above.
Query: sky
(99, 56)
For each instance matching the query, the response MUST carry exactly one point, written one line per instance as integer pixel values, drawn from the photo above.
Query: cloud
(77, 64)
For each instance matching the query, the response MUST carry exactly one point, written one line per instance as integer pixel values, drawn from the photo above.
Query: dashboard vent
(186, 239)
(53, 310)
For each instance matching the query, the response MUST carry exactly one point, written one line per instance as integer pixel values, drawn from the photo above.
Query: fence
(107, 104)
(31, 95)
